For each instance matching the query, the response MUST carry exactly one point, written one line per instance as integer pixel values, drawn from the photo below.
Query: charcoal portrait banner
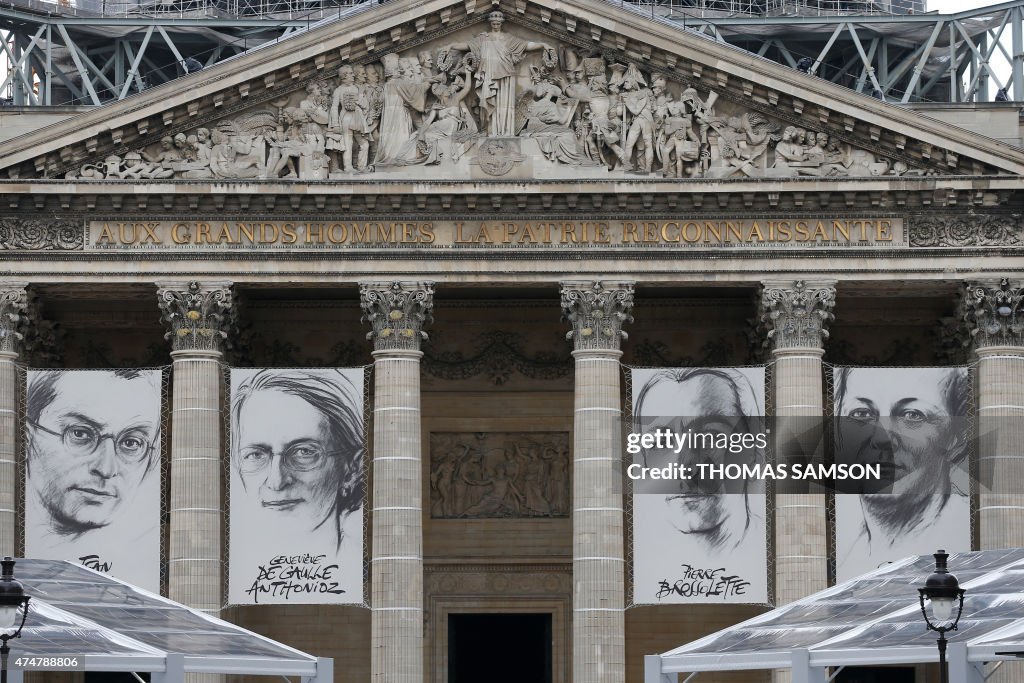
(92, 470)
(297, 449)
(698, 541)
(913, 423)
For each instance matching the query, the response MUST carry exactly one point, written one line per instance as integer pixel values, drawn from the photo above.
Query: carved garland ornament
(966, 231)
(498, 355)
(37, 234)
(994, 314)
(597, 313)
(797, 316)
(198, 317)
(397, 312)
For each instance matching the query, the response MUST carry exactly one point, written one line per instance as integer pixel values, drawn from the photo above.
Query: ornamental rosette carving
(797, 316)
(397, 313)
(13, 307)
(993, 313)
(198, 316)
(39, 234)
(966, 231)
(597, 313)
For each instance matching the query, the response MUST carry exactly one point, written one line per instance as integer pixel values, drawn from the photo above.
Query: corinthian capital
(597, 312)
(397, 313)
(797, 315)
(993, 313)
(197, 314)
(13, 306)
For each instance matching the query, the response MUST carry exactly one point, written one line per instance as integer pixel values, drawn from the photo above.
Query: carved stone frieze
(966, 230)
(13, 305)
(597, 311)
(198, 315)
(397, 313)
(797, 315)
(40, 234)
(499, 475)
(497, 355)
(994, 313)
(497, 580)
(502, 102)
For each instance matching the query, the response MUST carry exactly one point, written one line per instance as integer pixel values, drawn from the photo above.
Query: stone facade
(429, 186)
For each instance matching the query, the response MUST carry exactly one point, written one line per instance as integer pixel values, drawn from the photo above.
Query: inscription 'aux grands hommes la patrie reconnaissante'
(556, 233)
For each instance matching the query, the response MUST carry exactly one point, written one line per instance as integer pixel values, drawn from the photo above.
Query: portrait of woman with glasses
(297, 446)
(93, 475)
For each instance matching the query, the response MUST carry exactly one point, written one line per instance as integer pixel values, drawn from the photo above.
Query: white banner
(912, 420)
(92, 491)
(297, 449)
(699, 543)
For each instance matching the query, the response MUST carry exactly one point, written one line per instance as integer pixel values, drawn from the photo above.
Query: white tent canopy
(109, 625)
(874, 619)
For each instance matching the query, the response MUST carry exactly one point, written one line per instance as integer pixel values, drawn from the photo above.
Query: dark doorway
(499, 648)
(113, 677)
(876, 674)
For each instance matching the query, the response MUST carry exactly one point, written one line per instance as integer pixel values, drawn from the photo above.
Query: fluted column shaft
(197, 316)
(796, 315)
(13, 303)
(398, 312)
(992, 312)
(597, 312)
(196, 509)
(801, 549)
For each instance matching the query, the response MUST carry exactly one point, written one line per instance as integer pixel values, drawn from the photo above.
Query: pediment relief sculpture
(498, 103)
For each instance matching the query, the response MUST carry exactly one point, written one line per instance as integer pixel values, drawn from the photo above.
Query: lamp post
(12, 596)
(942, 592)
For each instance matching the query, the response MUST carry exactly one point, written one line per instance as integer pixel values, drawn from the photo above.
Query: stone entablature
(682, 230)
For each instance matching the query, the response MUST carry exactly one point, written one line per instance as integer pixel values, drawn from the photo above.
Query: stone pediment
(513, 91)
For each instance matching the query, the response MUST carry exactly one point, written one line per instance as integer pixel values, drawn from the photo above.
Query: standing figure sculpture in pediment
(495, 55)
(405, 92)
(677, 142)
(603, 121)
(348, 130)
(639, 101)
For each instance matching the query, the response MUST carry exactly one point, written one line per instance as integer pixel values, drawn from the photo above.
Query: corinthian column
(597, 312)
(197, 315)
(797, 315)
(397, 313)
(994, 315)
(13, 303)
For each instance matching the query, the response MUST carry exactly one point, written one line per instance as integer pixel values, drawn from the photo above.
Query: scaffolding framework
(102, 50)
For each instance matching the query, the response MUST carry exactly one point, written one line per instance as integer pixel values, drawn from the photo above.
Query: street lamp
(12, 597)
(942, 592)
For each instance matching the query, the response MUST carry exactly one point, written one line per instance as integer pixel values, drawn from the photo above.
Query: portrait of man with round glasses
(297, 446)
(93, 475)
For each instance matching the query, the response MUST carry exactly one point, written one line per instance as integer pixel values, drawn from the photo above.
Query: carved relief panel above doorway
(486, 475)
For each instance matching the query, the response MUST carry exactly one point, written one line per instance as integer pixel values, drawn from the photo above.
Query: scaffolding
(87, 52)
